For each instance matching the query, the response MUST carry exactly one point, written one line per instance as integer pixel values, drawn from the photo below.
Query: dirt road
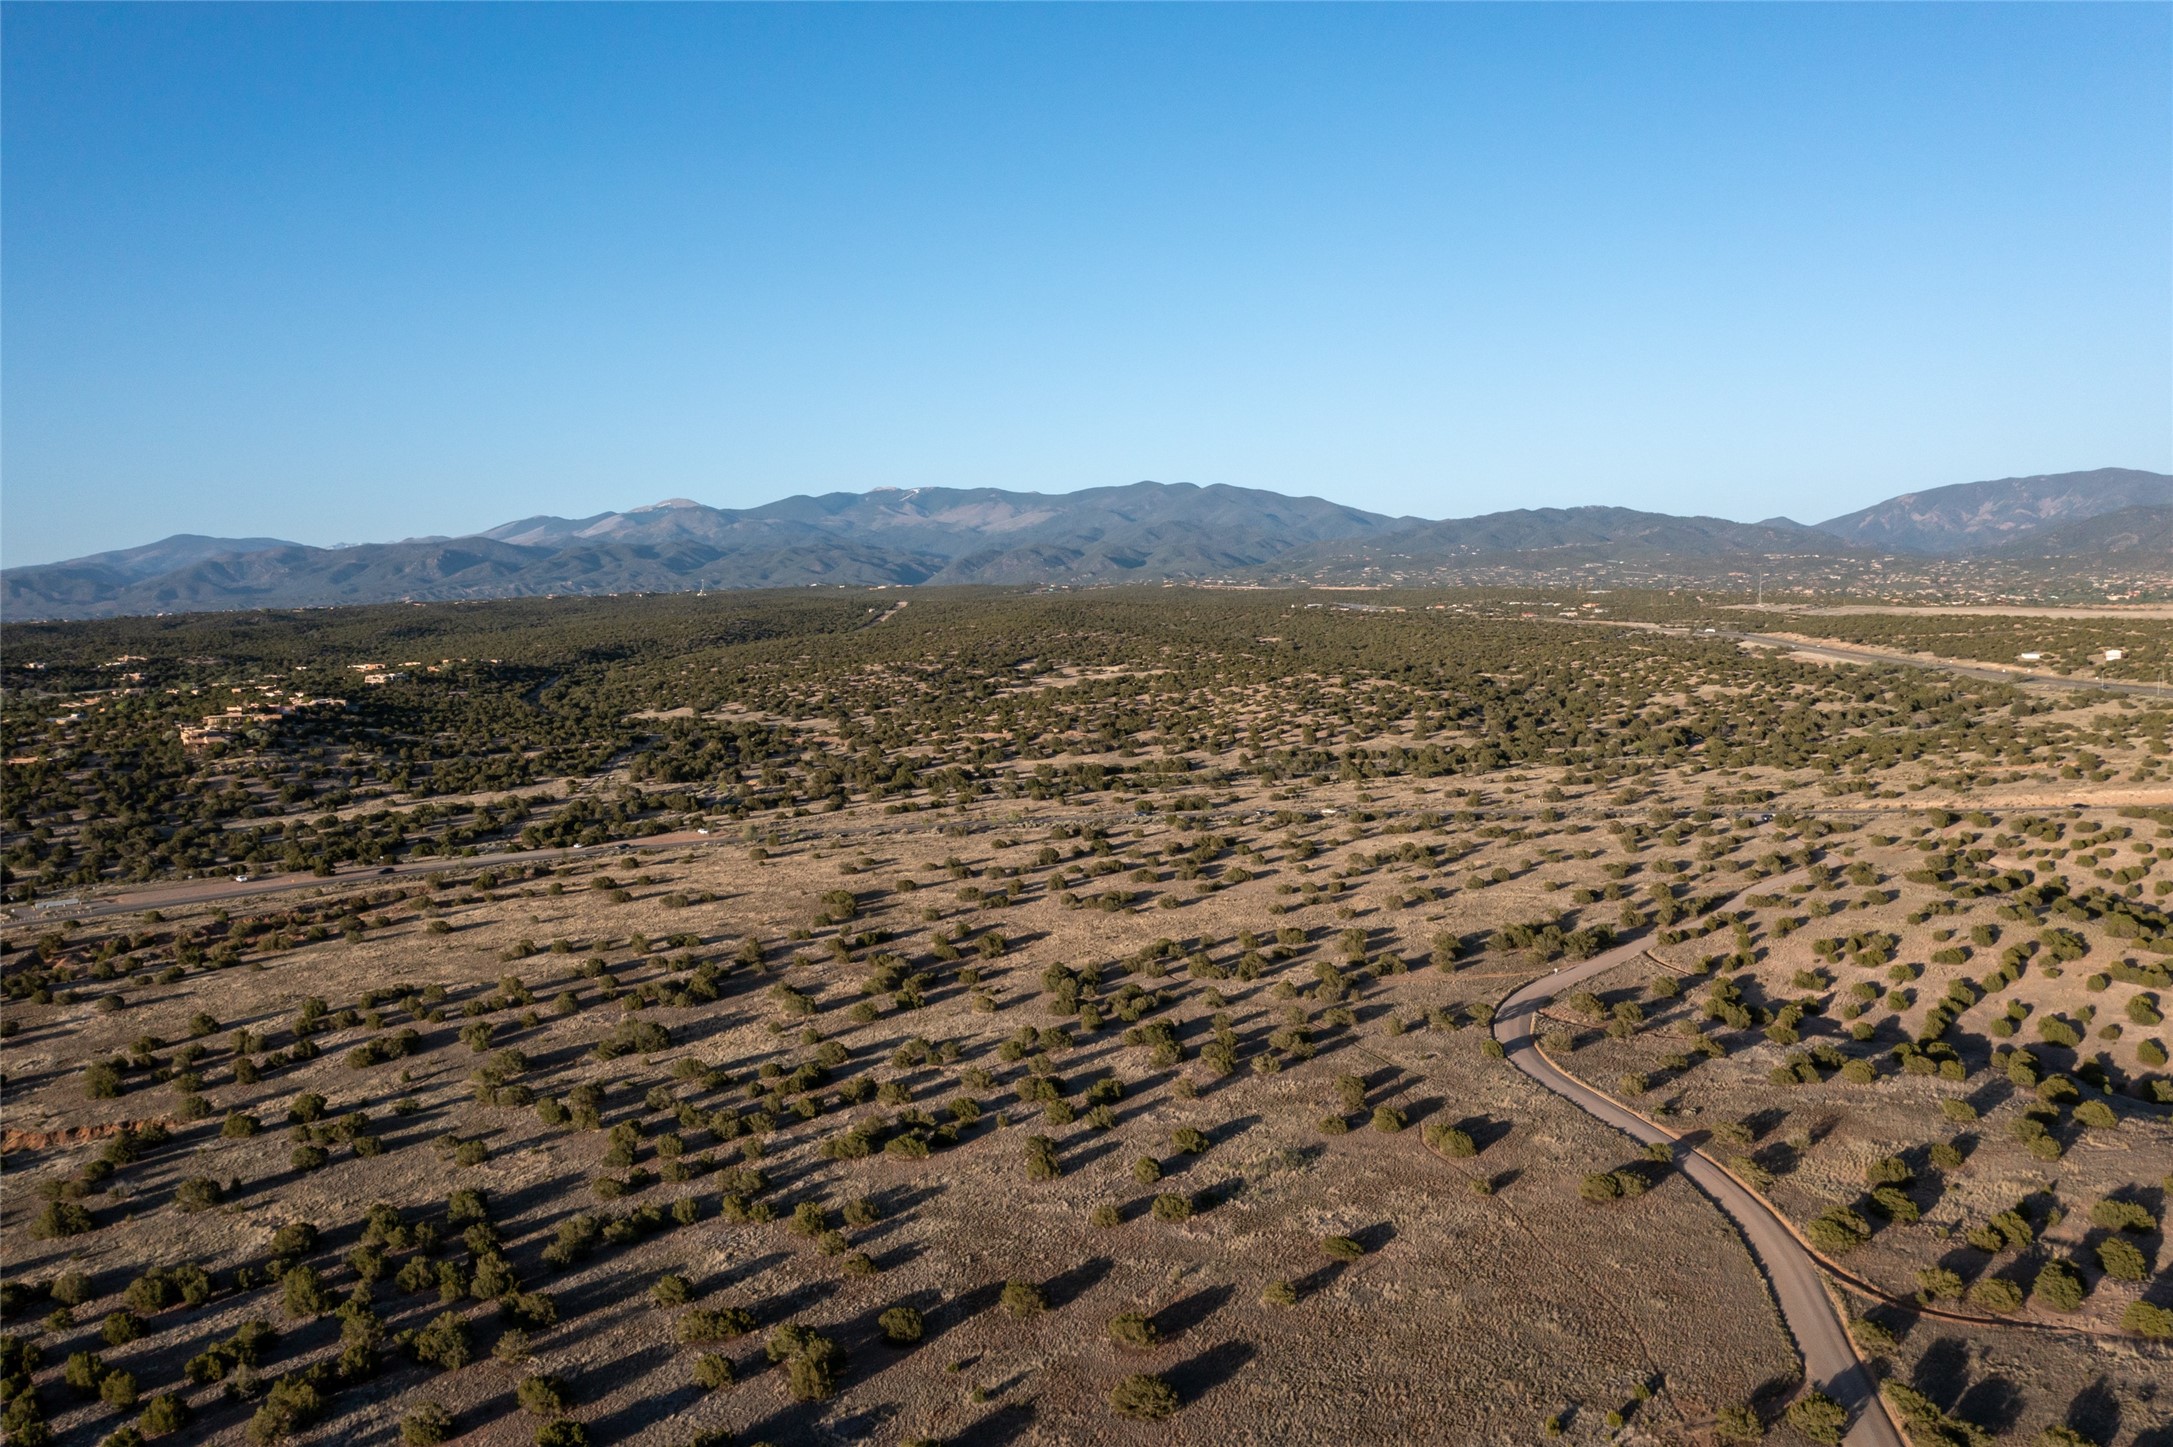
(212, 891)
(1829, 1356)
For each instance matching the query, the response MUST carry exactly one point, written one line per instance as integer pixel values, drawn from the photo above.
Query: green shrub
(1837, 1230)
(1600, 1186)
(1023, 1298)
(102, 1080)
(62, 1218)
(1738, 1425)
(2061, 1436)
(1926, 1422)
(1041, 1160)
(1134, 1330)
(426, 1426)
(2097, 1115)
(1937, 1283)
(725, 1324)
(1818, 1417)
(542, 1396)
(812, 1362)
(443, 1343)
(163, 1414)
(1895, 1204)
(902, 1326)
(291, 1405)
(2121, 1260)
(1872, 1336)
(534, 1310)
(1451, 1141)
(83, 1372)
(2116, 1215)
(2146, 1320)
(197, 1193)
(1144, 1397)
(304, 1293)
(2057, 1286)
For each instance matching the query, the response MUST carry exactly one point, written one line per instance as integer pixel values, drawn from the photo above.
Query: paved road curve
(1829, 1358)
(1843, 653)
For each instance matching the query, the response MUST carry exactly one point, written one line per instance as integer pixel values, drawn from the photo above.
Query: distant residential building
(223, 727)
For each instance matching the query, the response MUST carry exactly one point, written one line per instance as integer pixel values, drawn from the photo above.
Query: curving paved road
(1848, 653)
(1844, 653)
(1829, 1357)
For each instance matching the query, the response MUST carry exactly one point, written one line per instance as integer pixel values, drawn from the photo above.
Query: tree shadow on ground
(1002, 1425)
(1198, 1375)
(1182, 1315)
(1942, 1373)
(1069, 1285)
(2095, 1412)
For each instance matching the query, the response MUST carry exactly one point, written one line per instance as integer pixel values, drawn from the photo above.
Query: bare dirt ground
(1489, 1297)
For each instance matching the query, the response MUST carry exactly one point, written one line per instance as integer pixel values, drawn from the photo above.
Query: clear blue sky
(343, 273)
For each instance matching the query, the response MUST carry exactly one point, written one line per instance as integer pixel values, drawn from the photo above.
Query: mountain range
(1976, 517)
(1145, 532)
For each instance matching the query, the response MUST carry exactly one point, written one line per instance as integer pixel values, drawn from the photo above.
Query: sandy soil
(1470, 1318)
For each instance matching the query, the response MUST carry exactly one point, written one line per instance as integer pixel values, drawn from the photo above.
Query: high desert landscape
(1086, 725)
(981, 1016)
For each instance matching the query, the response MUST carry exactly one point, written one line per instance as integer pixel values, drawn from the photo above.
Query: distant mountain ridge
(2146, 530)
(1976, 517)
(1620, 530)
(954, 524)
(1144, 532)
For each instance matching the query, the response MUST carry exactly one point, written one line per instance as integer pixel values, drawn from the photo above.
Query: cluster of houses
(225, 726)
(382, 673)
